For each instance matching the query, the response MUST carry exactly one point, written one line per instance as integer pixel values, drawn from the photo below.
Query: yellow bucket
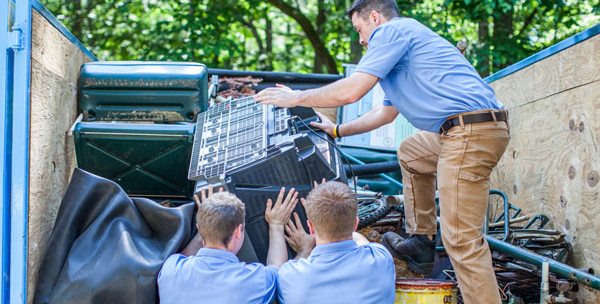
(425, 291)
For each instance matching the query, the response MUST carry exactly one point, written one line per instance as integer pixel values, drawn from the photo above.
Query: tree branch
(310, 31)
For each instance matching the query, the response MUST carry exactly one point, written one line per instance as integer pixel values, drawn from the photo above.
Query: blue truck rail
(15, 40)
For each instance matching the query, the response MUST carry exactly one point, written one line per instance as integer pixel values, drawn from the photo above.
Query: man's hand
(298, 239)
(197, 241)
(326, 125)
(279, 214)
(280, 95)
(204, 195)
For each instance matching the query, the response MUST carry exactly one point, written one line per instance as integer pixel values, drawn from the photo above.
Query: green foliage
(257, 35)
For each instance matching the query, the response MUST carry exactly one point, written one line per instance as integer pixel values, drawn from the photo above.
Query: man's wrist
(298, 97)
(277, 227)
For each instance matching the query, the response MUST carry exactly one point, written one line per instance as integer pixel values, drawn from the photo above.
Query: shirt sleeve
(386, 101)
(387, 46)
(170, 265)
(271, 283)
(383, 255)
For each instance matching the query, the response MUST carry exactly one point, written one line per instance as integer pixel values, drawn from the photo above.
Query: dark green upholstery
(142, 91)
(149, 160)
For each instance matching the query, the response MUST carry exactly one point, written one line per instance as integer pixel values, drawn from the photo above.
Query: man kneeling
(214, 274)
(343, 267)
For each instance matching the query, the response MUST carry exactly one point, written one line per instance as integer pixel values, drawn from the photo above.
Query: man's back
(339, 272)
(215, 276)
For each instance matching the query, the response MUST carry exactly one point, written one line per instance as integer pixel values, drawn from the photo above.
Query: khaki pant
(463, 159)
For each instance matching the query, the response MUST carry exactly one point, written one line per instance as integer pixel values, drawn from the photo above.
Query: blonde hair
(331, 208)
(218, 217)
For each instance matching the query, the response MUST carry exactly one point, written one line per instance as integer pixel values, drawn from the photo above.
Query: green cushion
(142, 91)
(149, 160)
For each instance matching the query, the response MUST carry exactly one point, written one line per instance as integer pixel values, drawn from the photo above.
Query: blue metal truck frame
(15, 62)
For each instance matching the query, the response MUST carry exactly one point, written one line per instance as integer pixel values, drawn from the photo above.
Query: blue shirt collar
(334, 247)
(218, 253)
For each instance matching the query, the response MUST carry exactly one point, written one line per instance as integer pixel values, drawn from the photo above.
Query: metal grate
(280, 120)
(228, 135)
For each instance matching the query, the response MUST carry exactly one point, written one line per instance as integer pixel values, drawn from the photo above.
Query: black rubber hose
(374, 168)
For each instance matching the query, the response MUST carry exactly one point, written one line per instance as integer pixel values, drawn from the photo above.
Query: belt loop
(462, 123)
(494, 116)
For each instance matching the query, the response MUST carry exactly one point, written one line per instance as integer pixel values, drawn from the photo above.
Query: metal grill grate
(228, 135)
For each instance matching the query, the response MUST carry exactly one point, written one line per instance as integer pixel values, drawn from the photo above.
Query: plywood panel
(55, 68)
(551, 166)
(515, 89)
(580, 64)
(331, 113)
(546, 77)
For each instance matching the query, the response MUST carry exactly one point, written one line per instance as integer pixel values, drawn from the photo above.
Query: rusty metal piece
(512, 221)
(394, 200)
(593, 178)
(563, 285)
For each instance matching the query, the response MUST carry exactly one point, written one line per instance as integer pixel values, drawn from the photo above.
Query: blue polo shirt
(424, 76)
(340, 272)
(215, 276)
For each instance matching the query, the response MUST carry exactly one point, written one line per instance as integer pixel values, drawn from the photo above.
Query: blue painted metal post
(5, 145)
(20, 156)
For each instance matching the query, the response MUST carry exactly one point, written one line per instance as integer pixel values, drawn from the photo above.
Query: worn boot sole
(416, 267)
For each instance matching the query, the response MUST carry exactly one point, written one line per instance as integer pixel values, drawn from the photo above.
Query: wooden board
(575, 66)
(55, 68)
(552, 164)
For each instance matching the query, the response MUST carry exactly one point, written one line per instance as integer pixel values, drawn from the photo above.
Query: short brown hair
(331, 208)
(218, 216)
(388, 8)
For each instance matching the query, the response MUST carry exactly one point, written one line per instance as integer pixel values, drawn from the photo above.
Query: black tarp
(108, 248)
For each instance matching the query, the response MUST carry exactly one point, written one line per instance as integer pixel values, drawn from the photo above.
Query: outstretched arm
(375, 118)
(277, 216)
(339, 93)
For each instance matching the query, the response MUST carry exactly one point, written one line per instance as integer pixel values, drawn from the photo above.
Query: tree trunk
(269, 43)
(311, 33)
(484, 50)
(356, 50)
(78, 19)
(321, 18)
(503, 38)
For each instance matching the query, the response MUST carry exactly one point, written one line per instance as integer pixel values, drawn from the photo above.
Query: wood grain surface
(55, 64)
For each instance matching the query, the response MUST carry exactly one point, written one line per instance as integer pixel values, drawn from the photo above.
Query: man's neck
(320, 241)
(218, 246)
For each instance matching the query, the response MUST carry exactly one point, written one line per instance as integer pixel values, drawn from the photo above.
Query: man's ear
(239, 231)
(197, 227)
(310, 227)
(356, 223)
(374, 15)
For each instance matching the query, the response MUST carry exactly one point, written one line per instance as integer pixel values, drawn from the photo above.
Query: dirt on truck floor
(375, 233)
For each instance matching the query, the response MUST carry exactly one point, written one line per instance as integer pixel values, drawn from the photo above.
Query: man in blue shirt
(214, 274)
(343, 267)
(465, 133)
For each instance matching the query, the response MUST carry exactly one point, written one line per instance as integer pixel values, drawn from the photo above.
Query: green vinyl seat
(147, 160)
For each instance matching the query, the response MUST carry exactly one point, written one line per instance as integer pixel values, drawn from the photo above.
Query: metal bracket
(16, 37)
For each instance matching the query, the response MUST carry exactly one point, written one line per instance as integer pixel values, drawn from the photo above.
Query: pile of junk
(150, 135)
